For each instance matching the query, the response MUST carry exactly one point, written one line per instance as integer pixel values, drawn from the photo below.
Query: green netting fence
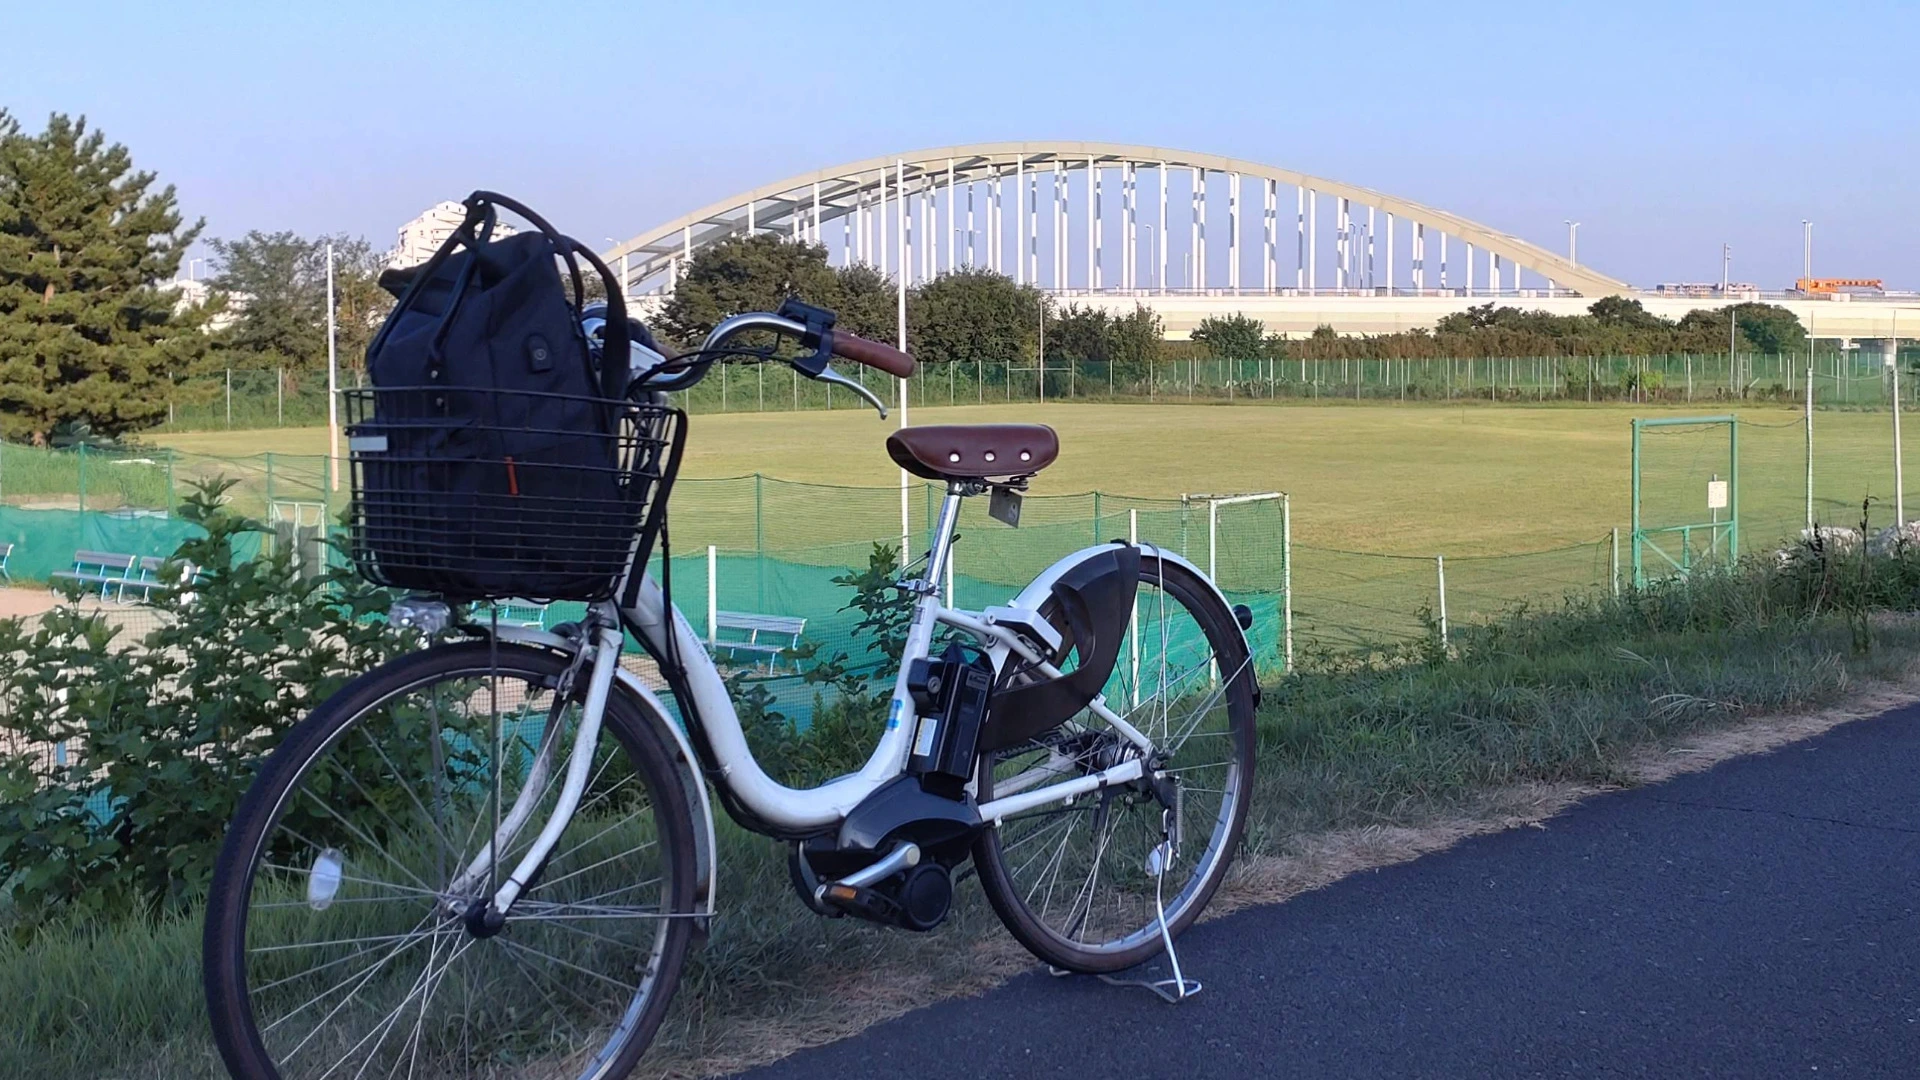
(243, 399)
(778, 545)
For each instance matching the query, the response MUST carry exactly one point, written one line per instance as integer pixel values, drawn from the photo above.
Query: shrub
(163, 734)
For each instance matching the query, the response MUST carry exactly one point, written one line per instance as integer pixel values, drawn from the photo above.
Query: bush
(163, 735)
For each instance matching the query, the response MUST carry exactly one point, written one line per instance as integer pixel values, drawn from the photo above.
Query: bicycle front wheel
(1083, 883)
(342, 937)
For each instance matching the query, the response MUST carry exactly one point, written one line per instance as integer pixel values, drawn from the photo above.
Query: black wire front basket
(478, 494)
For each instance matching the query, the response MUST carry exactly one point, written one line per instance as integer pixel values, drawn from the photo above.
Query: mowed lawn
(1405, 479)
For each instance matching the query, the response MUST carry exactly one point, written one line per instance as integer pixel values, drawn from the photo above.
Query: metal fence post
(760, 540)
(713, 592)
(229, 397)
(1809, 439)
(1440, 569)
(81, 471)
(1213, 539)
(1733, 489)
(1286, 577)
(1133, 617)
(1633, 523)
(1613, 561)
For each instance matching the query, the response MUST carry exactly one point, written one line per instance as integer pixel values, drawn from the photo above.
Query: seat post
(938, 554)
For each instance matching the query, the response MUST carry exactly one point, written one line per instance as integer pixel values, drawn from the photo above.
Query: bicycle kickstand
(1178, 988)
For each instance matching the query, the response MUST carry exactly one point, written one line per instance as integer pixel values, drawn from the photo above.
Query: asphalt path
(1760, 919)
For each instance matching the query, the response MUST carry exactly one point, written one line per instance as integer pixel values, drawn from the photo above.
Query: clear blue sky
(1667, 128)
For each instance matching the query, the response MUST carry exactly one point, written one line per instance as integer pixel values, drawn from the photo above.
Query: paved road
(1758, 920)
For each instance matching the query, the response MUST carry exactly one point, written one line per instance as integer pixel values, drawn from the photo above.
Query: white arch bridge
(1104, 217)
(1189, 234)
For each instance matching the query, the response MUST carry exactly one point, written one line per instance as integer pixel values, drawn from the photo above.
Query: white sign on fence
(1716, 494)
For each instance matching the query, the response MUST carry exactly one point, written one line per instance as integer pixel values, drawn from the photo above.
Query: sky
(1666, 129)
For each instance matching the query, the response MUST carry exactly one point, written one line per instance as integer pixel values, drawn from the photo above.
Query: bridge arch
(927, 233)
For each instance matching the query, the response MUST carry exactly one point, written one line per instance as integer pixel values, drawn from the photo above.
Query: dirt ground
(16, 602)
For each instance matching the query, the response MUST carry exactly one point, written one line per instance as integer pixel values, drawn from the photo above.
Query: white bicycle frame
(709, 707)
(666, 632)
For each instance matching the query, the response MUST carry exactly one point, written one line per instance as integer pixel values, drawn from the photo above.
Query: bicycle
(491, 856)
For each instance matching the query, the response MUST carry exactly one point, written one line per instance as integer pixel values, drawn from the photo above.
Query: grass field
(1471, 479)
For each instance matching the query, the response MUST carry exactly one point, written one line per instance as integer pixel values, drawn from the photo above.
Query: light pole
(190, 263)
(1153, 247)
(1726, 267)
(1806, 248)
(611, 244)
(1573, 230)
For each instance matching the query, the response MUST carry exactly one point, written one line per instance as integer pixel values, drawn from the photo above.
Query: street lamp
(1153, 248)
(624, 283)
(1806, 248)
(1573, 228)
(190, 263)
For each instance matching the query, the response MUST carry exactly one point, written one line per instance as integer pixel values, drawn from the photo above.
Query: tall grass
(1393, 735)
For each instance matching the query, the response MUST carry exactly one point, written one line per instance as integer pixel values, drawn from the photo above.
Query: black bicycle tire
(1002, 894)
(223, 945)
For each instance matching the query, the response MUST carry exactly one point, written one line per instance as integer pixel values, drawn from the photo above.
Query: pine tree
(86, 338)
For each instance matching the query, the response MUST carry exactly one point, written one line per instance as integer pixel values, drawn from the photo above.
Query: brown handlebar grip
(873, 354)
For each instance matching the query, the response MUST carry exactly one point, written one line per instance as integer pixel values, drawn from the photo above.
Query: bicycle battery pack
(950, 697)
(1095, 599)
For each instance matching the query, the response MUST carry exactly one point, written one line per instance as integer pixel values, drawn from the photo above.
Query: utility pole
(333, 383)
(1806, 248)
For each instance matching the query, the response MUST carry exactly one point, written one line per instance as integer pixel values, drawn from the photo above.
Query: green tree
(1771, 328)
(1231, 337)
(866, 302)
(1081, 334)
(360, 305)
(745, 273)
(974, 316)
(86, 337)
(1134, 342)
(1623, 312)
(275, 286)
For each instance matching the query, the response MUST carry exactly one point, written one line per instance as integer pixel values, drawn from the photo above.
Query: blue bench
(115, 575)
(763, 636)
(101, 571)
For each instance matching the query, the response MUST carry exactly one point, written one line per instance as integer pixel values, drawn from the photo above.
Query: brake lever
(834, 378)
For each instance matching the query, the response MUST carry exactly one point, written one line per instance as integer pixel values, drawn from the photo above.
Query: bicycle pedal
(917, 900)
(861, 903)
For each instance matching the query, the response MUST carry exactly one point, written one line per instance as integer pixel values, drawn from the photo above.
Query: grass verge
(1363, 761)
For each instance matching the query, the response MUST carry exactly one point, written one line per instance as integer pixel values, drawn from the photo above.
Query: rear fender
(1040, 589)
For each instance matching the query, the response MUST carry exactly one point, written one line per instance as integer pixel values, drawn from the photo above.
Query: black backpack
(495, 454)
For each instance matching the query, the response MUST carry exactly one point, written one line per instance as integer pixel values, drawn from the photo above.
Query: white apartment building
(422, 236)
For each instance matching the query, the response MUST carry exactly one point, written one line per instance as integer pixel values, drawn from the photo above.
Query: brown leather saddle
(974, 451)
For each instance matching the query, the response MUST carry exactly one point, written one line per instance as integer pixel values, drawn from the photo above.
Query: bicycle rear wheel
(340, 939)
(1074, 881)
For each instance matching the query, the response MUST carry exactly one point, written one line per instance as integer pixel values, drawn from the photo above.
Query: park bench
(764, 636)
(525, 613)
(148, 577)
(6, 552)
(102, 570)
(116, 575)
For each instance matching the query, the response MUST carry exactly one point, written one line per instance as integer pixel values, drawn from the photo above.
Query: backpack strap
(614, 357)
(474, 230)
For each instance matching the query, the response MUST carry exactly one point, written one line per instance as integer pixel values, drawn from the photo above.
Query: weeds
(1392, 735)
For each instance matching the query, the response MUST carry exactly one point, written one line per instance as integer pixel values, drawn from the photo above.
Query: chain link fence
(240, 399)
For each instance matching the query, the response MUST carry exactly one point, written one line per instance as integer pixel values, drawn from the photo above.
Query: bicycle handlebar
(874, 354)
